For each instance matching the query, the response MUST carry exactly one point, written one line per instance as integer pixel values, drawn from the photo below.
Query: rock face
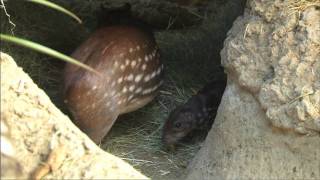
(268, 123)
(46, 142)
(275, 56)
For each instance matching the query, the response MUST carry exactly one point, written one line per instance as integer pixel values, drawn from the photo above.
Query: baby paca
(196, 114)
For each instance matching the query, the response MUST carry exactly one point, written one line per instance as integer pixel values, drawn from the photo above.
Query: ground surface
(191, 57)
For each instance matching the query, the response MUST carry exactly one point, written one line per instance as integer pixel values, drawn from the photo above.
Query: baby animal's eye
(177, 125)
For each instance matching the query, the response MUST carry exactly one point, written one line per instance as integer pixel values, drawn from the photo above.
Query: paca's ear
(194, 102)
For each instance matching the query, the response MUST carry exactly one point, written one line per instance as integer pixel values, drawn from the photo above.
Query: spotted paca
(128, 59)
(196, 114)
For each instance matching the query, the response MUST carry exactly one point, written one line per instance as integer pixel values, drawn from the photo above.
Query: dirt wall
(267, 125)
(45, 142)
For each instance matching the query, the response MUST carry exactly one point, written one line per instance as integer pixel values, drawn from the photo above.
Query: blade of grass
(56, 7)
(13, 25)
(45, 50)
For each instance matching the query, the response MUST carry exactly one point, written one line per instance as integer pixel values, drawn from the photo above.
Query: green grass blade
(45, 50)
(56, 7)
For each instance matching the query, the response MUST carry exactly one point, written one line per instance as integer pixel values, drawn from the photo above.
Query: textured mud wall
(275, 54)
(268, 121)
(46, 143)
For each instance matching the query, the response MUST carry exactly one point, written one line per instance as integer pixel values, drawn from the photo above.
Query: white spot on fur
(144, 67)
(105, 95)
(154, 52)
(130, 50)
(146, 58)
(146, 78)
(139, 59)
(159, 70)
(146, 91)
(138, 90)
(120, 80)
(133, 63)
(124, 90)
(130, 97)
(138, 78)
(153, 74)
(155, 87)
(138, 48)
(131, 88)
(127, 62)
(130, 77)
(122, 67)
(116, 64)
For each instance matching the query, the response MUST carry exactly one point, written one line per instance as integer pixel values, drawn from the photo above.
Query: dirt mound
(44, 139)
(268, 122)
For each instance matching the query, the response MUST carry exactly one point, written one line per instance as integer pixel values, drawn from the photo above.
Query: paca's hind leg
(99, 133)
(99, 128)
(95, 117)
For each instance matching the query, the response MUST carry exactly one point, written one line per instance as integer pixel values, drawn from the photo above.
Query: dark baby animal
(128, 58)
(196, 114)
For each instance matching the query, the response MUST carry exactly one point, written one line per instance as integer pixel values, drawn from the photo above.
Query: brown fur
(95, 101)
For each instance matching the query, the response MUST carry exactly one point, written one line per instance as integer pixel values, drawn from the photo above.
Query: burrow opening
(190, 53)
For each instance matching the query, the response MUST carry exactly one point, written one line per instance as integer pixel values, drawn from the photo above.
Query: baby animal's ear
(189, 115)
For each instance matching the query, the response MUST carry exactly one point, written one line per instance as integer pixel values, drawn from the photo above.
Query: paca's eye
(177, 125)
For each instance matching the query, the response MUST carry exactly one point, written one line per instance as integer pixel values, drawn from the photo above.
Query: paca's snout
(129, 61)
